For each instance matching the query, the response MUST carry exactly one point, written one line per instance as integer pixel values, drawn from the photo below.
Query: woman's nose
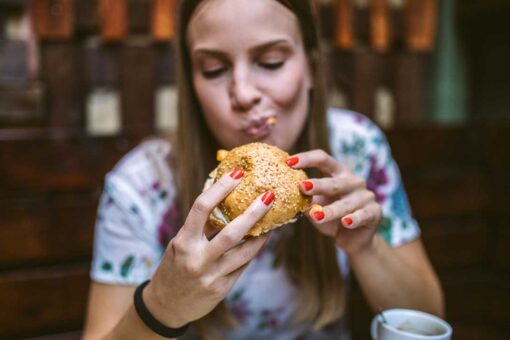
(243, 93)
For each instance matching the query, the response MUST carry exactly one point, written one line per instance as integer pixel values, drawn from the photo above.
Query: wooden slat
(103, 65)
(439, 194)
(113, 19)
(13, 63)
(162, 19)
(43, 301)
(22, 106)
(368, 74)
(46, 229)
(500, 245)
(476, 296)
(466, 239)
(421, 22)
(409, 87)
(344, 24)
(54, 19)
(438, 147)
(138, 89)
(380, 24)
(44, 165)
(64, 77)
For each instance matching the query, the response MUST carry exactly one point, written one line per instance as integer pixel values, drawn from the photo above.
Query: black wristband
(150, 321)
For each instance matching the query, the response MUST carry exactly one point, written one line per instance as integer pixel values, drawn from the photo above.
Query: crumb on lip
(271, 121)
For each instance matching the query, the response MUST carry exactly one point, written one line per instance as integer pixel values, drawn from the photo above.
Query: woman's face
(249, 65)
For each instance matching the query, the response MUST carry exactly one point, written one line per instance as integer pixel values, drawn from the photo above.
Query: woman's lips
(259, 128)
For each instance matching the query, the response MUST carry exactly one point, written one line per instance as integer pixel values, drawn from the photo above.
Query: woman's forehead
(244, 22)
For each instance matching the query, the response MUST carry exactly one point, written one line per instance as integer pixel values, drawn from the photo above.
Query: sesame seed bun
(264, 170)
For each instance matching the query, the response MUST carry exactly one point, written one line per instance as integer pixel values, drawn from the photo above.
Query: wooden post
(380, 24)
(420, 24)
(162, 20)
(63, 75)
(138, 89)
(344, 24)
(113, 19)
(54, 19)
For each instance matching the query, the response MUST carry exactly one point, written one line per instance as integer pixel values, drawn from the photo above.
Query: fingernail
(267, 198)
(319, 215)
(347, 221)
(236, 174)
(317, 212)
(308, 185)
(292, 161)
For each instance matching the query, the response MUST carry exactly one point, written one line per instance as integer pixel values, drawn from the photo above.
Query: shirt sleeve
(359, 143)
(127, 247)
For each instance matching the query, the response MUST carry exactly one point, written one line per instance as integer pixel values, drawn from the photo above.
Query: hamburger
(264, 170)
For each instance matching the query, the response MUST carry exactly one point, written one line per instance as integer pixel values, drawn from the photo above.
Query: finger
(369, 215)
(234, 232)
(316, 159)
(240, 255)
(207, 201)
(344, 206)
(332, 186)
(231, 278)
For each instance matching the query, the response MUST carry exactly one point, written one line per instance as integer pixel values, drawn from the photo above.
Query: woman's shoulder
(146, 155)
(145, 175)
(350, 122)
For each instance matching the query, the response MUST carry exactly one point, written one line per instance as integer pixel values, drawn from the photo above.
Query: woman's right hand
(195, 273)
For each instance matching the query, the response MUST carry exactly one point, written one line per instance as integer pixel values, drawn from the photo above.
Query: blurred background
(83, 81)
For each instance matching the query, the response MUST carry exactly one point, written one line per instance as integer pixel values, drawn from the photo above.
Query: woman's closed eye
(272, 65)
(213, 73)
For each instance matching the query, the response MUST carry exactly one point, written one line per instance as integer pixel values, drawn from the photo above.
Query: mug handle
(373, 327)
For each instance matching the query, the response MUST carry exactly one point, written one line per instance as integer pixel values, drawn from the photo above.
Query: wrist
(364, 250)
(159, 309)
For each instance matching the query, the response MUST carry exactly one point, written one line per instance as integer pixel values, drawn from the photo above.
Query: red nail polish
(292, 161)
(308, 185)
(267, 198)
(319, 215)
(347, 221)
(236, 174)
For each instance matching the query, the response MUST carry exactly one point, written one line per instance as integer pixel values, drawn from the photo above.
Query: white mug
(408, 324)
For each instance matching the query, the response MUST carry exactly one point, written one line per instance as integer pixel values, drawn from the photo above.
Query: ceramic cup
(408, 324)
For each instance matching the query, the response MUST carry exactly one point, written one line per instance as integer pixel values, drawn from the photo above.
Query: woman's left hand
(347, 210)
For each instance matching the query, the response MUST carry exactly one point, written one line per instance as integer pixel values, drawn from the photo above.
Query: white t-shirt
(137, 216)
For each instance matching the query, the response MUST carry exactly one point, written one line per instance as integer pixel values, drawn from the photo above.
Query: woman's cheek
(287, 88)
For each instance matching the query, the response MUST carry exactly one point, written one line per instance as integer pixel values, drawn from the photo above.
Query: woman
(241, 62)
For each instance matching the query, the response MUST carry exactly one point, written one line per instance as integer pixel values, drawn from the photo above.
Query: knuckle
(336, 186)
(346, 204)
(178, 246)
(359, 182)
(217, 289)
(193, 269)
(229, 238)
(201, 205)
(370, 195)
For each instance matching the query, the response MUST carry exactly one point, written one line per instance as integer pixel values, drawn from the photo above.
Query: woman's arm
(348, 211)
(397, 277)
(194, 275)
(111, 315)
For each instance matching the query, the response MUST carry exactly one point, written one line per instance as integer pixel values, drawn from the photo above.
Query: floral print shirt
(137, 216)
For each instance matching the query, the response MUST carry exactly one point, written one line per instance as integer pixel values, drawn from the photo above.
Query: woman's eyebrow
(252, 50)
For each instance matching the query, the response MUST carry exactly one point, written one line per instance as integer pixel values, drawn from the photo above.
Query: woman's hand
(343, 207)
(195, 273)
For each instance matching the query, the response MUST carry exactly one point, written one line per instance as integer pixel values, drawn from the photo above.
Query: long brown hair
(308, 257)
